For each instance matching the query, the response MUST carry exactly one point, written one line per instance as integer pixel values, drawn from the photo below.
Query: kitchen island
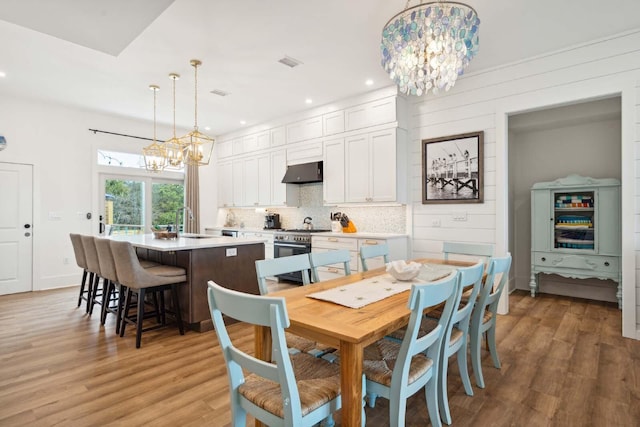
(228, 261)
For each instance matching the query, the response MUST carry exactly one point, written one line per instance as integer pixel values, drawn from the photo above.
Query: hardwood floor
(564, 363)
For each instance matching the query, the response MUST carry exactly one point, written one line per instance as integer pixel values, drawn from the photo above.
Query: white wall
(484, 100)
(56, 141)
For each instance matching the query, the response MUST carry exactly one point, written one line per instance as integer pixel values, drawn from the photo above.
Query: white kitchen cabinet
(237, 181)
(333, 123)
(237, 146)
(256, 181)
(375, 167)
(398, 249)
(282, 194)
(333, 164)
(225, 185)
(371, 113)
(278, 136)
(249, 143)
(268, 244)
(304, 152)
(224, 149)
(263, 140)
(304, 130)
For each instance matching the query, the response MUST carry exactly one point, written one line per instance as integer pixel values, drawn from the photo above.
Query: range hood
(303, 173)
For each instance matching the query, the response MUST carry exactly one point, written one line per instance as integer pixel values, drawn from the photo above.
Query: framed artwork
(452, 169)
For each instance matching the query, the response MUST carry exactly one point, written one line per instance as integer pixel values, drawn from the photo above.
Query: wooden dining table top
(343, 327)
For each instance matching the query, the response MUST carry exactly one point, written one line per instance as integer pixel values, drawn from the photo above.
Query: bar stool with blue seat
(141, 281)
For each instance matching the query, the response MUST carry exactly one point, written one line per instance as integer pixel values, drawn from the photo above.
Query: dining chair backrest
(289, 264)
(105, 258)
(468, 276)
(373, 251)
(319, 259)
(91, 254)
(468, 249)
(484, 316)
(270, 312)
(78, 250)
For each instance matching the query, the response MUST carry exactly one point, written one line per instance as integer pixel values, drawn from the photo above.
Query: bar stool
(81, 261)
(140, 281)
(113, 290)
(93, 265)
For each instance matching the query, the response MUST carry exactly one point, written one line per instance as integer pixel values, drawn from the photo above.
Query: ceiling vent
(289, 62)
(219, 92)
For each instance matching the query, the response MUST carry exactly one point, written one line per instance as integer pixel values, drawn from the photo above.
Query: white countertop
(357, 235)
(185, 242)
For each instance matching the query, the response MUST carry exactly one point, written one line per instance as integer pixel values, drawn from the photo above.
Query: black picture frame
(453, 169)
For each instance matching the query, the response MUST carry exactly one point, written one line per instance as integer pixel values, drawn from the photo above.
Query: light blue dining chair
(397, 371)
(484, 317)
(373, 251)
(292, 390)
(469, 249)
(319, 259)
(457, 342)
(272, 267)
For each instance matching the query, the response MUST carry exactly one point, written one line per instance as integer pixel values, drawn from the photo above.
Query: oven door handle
(289, 245)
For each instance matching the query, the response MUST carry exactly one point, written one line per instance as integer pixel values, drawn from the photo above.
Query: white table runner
(373, 289)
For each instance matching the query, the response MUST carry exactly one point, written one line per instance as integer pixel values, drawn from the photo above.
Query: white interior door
(16, 228)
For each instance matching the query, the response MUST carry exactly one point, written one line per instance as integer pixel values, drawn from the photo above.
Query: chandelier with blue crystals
(427, 46)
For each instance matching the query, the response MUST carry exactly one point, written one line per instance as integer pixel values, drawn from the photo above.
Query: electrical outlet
(65, 261)
(232, 252)
(459, 216)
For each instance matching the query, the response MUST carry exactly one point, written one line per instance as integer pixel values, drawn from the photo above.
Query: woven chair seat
(380, 359)
(318, 382)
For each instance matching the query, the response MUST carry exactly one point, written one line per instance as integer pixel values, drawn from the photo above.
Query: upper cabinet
(333, 123)
(333, 164)
(305, 129)
(278, 136)
(372, 113)
(224, 149)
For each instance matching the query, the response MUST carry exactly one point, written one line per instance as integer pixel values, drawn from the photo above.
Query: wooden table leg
(351, 356)
(262, 348)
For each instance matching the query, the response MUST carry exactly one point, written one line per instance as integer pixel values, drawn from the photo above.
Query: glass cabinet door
(574, 220)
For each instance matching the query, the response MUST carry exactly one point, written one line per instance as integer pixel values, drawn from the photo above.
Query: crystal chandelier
(173, 146)
(155, 156)
(197, 147)
(429, 45)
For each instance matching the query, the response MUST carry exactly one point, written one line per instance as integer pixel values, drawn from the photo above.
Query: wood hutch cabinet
(575, 230)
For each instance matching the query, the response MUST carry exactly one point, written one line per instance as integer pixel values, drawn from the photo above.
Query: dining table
(345, 328)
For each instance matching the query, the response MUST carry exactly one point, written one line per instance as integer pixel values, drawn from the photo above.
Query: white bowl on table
(401, 270)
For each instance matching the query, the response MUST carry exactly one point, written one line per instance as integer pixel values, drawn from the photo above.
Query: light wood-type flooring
(564, 363)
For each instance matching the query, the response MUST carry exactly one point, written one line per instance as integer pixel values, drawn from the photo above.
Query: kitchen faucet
(187, 208)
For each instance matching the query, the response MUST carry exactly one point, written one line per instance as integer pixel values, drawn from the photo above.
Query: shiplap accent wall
(482, 101)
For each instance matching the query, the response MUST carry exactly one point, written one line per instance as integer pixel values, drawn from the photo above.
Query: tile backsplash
(371, 219)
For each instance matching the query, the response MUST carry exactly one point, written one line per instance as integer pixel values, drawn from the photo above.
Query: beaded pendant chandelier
(427, 46)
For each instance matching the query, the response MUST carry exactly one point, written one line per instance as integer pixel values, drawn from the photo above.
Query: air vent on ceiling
(289, 61)
(219, 92)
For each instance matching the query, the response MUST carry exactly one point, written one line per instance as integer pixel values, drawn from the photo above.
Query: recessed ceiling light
(369, 82)
(3, 74)
(289, 61)
(219, 92)
(308, 100)
(243, 122)
(207, 128)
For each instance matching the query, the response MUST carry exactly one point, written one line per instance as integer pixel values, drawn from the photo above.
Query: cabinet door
(278, 169)
(608, 221)
(263, 140)
(278, 136)
(333, 123)
(237, 173)
(264, 180)
(303, 130)
(357, 166)
(541, 220)
(333, 159)
(250, 143)
(225, 185)
(382, 146)
(237, 146)
(224, 149)
(250, 181)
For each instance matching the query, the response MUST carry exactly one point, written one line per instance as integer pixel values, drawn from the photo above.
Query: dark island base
(237, 272)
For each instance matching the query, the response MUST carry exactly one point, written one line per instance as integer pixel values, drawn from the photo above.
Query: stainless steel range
(293, 242)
